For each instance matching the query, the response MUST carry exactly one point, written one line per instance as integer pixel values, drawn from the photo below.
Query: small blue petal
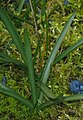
(75, 86)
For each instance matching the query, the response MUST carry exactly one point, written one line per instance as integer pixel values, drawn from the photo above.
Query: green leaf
(60, 99)
(44, 15)
(55, 50)
(51, 58)
(72, 97)
(9, 91)
(38, 50)
(47, 28)
(68, 50)
(5, 58)
(19, 18)
(20, 6)
(46, 90)
(13, 32)
(29, 64)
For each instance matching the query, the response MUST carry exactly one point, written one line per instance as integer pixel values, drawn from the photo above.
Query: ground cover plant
(37, 78)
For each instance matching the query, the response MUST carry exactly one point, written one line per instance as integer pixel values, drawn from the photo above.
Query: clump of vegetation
(35, 62)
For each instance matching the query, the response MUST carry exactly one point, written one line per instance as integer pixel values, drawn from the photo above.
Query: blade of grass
(29, 64)
(61, 100)
(55, 50)
(33, 9)
(36, 52)
(20, 6)
(73, 97)
(20, 19)
(28, 9)
(43, 8)
(10, 92)
(13, 32)
(44, 14)
(51, 58)
(47, 27)
(46, 90)
(5, 58)
(67, 51)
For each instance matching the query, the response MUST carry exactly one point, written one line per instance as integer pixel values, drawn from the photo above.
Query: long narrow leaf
(73, 97)
(20, 6)
(55, 50)
(5, 58)
(20, 19)
(51, 58)
(46, 90)
(68, 50)
(13, 32)
(30, 65)
(38, 49)
(61, 100)
(33, 9)
(47, 27)
(9, 91)
(44, 14)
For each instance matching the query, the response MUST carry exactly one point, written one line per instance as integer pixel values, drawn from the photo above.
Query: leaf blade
(20, 6)
(10, 92)
(60, 100)
(51, 58)
(13, 32)
(46, 90)
(67, 51)
(5, 58)
(29, 64)
(54, 52)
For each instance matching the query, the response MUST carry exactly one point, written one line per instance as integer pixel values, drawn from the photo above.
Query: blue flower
(76, 86)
